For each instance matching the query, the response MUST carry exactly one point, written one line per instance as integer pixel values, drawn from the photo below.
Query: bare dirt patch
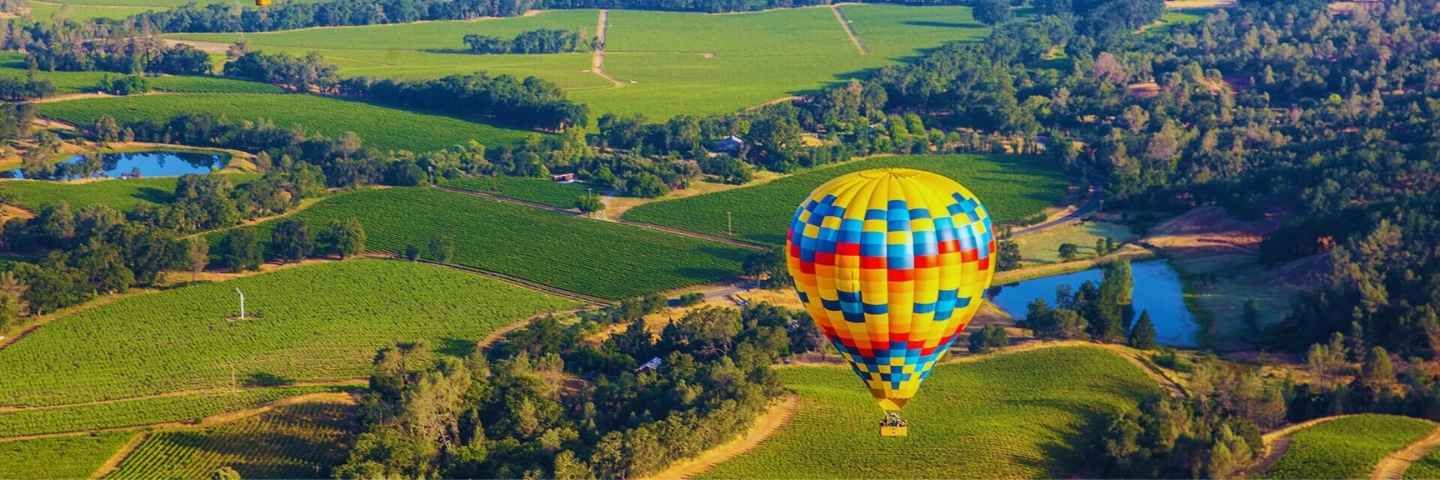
(208, 47)
(1198, 4)
(767, 424)
(1210, 230)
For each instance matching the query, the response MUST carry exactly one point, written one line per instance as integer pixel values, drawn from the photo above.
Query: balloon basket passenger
(893, 425)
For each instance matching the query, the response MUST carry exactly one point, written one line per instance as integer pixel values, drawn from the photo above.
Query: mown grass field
(143, 411)
(61, 457)
(294, 441)
(1010, 187)
(1348, 447)
(1044, 246)
(309, 323)
(120, 195)
(668, 63)
(1008, 416)
(539, 190)
(382, 127)
(13, 65)
(588, 256)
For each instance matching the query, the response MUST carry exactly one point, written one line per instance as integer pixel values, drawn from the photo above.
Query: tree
(442, 248)
(1377, 371)
(197, 255)
(344, 239)
(1252, 317)
(1068, 251)
(291, 240)
(1099, 247)
(240, 250)
(767, 268)
(1008, 255)
(225, 473)
(992, 12)
(589, 203)
(1142, 336)
(987, 339)
(411, 252)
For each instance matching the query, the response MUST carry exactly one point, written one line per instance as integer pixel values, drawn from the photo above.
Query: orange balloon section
(892, 265)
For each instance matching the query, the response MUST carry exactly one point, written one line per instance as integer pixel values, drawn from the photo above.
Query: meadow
(667, 63)
(61, 457)
(120, 195)
(13, 65)
(381, 127)
(294, 441)
(309, 323)
(1008, 416)
(1427, 468)
(538, 190)
(1044, 246)
(1348, 447)
(143, 411)
(1010, 187)
(592, 257)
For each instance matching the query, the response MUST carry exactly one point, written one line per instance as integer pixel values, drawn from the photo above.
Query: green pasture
(52, 10)
(599, 258)
(143, 411)
(120, 195)
(381, 127)
(1428, 468)
(1010, 187)
(539, 190)
(13, 65)
(311, 323)
(668, 63)
(1349, 447)
(1044, 246)
(60, 457)
(1010, 416)
(294, 441)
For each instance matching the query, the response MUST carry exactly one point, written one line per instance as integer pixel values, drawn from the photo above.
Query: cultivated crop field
(587, 256)
(538, 190)
(60, 457)
(1427, 468)
(294, 441)
(142, 411)
(13, 65)
(1348, 447)
(381, 127)
(310, 323)
(667, 63)
(120, 195)
(1005, 417)
(1010, 187)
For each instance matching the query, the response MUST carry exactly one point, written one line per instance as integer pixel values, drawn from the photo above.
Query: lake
(1157, 290)
(133, 165)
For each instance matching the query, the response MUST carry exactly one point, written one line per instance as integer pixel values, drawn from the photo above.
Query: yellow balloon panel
(891, 264)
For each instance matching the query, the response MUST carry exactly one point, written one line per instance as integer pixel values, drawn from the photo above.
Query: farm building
(563, 178)
(731, 145)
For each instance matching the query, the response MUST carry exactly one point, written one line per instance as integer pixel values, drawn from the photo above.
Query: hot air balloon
(892, 265)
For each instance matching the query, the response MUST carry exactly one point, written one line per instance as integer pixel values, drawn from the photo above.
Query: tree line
(543, 40)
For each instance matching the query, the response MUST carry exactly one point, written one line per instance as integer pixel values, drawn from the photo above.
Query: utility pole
(242, 302)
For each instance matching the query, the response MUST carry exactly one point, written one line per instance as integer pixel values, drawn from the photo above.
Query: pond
(129, 165)
(1157, 289)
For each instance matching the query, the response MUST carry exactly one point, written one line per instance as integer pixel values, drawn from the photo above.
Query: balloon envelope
(892, 265)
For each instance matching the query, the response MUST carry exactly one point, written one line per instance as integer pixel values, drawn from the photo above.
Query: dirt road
(849, 32)
(597, 59)
(1394, 465)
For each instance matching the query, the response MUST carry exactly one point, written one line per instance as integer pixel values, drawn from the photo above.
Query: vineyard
(295, 441)
(62, 457)
(13, 65)
(381, 127)
(538, 190)
(1427, 468)
(1347, 447)
(1005, 417)
(120, 195)
(142, 411)
(312, 323)
(1010, 187)
(587, 256)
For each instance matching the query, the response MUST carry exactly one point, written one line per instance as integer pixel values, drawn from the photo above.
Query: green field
(49, 11)
(593, 257)
(144, 411)
(1427, 468)
(62, 457)
(13, 65)
(1044, 246)
(120, 195)
(381, 127)
(295, 441)
(668, 63)
(1348, 447)
(1009, 416)
(311, 323)
(1010, 187)
(538, 190)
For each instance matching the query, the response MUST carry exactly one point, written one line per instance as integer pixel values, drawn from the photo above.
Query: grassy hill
(593, 257)
(13, 65)
(1348, 447)
(381, 127)
(307, 323)
(62, 457)
(120, 195)
(1010, 187)
(1020, 415)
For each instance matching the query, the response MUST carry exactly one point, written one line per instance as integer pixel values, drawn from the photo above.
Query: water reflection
(1157, 289)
